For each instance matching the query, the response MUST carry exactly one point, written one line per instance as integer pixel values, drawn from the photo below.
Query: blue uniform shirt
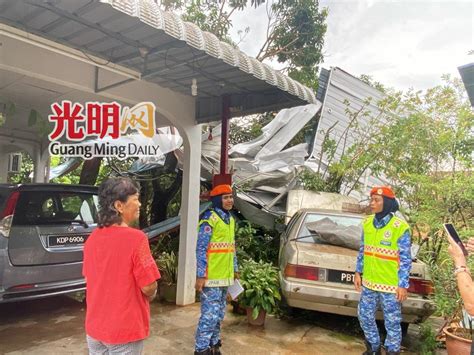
(204, 237)
(404, 247)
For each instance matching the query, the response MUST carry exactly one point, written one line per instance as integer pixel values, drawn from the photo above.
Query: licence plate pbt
(341, 276)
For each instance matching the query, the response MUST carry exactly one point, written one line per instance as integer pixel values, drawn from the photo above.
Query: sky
(402, 44)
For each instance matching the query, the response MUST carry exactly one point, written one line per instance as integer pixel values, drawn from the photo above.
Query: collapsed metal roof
(467, 75)
(160, 48)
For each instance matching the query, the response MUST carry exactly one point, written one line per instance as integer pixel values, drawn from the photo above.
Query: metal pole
(225, 134)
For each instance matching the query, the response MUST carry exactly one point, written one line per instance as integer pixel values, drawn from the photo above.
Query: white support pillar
(189, 215)
(3, 166)
(41, 162)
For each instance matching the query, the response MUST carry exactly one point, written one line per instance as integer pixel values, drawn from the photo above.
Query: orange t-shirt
(117, 264)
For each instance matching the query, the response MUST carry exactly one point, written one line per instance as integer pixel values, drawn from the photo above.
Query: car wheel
(289, 311)
(404, 328)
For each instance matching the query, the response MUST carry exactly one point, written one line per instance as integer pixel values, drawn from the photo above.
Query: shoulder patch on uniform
(207, 214)
(207, 229)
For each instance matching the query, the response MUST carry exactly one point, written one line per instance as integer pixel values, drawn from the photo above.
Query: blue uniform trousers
(392, 313)
(213, 306)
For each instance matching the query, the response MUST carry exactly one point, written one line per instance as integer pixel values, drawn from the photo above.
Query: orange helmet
(382, 191)
(221, 190)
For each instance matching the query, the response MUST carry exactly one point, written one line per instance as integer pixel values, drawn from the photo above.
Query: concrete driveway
(55, 326)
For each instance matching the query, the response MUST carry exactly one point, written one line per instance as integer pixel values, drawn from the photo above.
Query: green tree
(428, 155)
(295, 37)
(212, 16)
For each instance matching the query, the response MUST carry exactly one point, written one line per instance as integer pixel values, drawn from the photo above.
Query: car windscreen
(55, 207)
(338, 230)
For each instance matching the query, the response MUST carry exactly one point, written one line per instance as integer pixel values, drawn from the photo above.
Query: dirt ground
(55, 326)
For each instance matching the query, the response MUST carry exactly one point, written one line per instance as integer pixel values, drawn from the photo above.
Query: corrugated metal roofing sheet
(338, 90)
(138, 35)
(467, 75)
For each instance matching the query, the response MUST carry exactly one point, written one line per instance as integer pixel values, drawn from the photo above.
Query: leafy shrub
(256, 243)
(168, 265)
(428, 339)
(168, 242)
(262, 287)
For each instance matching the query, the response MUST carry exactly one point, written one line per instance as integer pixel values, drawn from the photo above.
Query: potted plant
(261, 290)
(168, 265)
(459, 334)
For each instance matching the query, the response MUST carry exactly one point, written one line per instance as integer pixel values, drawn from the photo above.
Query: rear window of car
(338, 230)
(55, 207)
(4, 193)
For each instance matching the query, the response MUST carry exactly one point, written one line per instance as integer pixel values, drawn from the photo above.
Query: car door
(50, 226)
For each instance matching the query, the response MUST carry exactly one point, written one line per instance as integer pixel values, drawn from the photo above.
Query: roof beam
(62, 20)
(178, 63)
(93, 25)
(170, 45)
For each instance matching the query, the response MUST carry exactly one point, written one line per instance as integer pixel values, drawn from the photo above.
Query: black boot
(208, 351)
(369, 350)
(216, 348)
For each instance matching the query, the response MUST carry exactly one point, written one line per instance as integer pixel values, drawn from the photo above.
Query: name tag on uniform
(387, 243)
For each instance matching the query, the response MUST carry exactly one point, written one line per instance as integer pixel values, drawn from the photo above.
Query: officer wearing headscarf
(383, 270)
(216, 268)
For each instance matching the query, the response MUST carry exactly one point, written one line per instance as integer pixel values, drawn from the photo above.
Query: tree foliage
(430, 150)
(295, 36)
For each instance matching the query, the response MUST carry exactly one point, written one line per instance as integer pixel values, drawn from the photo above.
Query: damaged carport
(130, 52)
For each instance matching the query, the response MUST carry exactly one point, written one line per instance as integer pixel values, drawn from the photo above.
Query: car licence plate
(66, 240)
(340, 276)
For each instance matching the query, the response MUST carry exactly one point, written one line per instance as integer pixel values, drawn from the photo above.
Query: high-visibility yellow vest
(381, 254)
(220, 252)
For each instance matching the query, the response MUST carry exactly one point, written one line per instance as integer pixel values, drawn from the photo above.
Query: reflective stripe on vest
(381, 254)
(220, 252)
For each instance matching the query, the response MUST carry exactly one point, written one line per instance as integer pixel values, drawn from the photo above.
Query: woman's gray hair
(111, 190)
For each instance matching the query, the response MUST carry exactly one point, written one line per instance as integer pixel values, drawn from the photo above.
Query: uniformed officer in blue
(216, 268)
(383, 271)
